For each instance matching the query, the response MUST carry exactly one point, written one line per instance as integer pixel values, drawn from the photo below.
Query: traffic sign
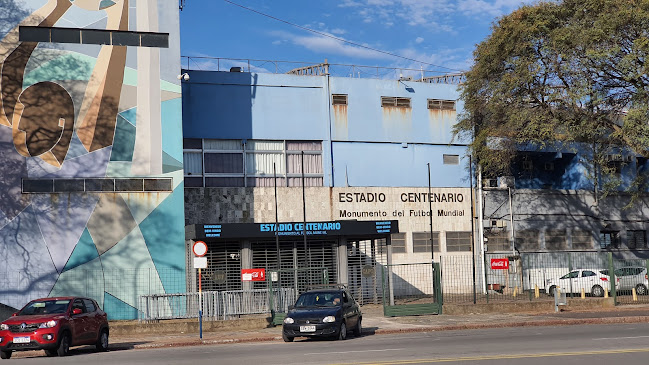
(199, 248)
(200, 262)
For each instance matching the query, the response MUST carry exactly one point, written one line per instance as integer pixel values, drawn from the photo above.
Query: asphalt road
(626, 344)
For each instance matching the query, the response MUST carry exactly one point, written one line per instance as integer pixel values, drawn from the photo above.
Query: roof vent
(236, 69)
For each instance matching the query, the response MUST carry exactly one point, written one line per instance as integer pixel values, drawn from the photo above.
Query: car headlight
(3, 327)
(48, 324)
(288, 320)
(329, 319)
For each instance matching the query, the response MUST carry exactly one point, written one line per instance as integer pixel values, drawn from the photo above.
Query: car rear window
(45, 307)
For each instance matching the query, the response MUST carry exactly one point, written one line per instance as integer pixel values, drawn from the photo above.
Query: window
(581, 240)
(339, 99)
(636, 239)
(570, 275)
(90, 306)
(527, 240)
(421, 241)
(555, 239)
(587, 273)
(391, 101)
(498, 241)
(237, 163)
(451, 159)
(92, 36)
(609, 239)
(458, 241)
(398, 241)
(437, 104)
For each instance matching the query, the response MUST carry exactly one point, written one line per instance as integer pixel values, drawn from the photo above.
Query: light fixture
(184, 76)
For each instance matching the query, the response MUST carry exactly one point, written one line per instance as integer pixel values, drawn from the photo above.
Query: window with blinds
(582, 240)
(555, 240)
(391, 101)
(237, 163)
(398, 241)
(458, 241)
(421, 241)
(438, 104)
(636, 239)
(527, 240)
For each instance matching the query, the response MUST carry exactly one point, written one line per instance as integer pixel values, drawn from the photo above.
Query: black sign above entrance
(267, 230)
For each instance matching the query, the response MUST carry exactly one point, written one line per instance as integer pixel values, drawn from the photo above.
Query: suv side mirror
(76, 311)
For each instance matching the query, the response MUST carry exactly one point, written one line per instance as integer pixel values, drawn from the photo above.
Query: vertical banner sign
(499, 264)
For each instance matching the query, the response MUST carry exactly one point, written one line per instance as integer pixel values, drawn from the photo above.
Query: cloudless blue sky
(439, 32)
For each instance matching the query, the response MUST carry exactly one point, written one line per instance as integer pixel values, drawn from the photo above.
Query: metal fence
(320, 69)
(215, 305)
(530, 276)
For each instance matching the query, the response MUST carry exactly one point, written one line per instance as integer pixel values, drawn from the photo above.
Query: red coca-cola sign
(499, 264)
(253, 274)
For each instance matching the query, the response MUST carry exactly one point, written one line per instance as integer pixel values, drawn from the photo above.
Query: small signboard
(200, 262)
(274, 276)
(499, 264)
(253, 274)
(219, 277)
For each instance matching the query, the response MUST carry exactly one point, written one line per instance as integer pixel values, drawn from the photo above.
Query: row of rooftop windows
(399, 102)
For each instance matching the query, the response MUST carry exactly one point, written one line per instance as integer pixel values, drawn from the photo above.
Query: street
(585, 344)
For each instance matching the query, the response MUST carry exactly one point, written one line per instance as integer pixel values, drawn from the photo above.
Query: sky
(434, 35)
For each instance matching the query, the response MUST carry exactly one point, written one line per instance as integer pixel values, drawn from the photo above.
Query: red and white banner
(253, 274)
(499, 264)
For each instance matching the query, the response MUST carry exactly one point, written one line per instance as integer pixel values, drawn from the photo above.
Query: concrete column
(388, 243)
(246, 261)
(191, 278)
(342, 264)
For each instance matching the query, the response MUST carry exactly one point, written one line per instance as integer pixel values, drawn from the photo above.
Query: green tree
(562, 73)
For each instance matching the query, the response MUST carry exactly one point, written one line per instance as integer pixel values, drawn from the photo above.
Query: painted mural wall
(71, 111)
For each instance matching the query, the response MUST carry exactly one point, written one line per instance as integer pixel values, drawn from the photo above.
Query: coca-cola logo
(499, 264)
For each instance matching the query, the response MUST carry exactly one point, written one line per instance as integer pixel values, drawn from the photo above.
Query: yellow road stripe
(502, 356)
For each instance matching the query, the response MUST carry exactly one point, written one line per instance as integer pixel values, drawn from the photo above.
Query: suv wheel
(342, 335)
(5, 355)
(641, 289)
(64, 345)
(286, 338)
(102, 341)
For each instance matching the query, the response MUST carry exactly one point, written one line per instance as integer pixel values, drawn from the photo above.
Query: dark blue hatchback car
(323, 313)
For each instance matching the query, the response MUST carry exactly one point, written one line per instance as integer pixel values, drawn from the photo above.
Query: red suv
(53, 325)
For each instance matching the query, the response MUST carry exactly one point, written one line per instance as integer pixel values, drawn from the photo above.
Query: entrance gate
(286, 285)
(412, 289)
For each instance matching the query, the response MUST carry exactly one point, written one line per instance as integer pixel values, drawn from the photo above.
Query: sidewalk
(374, 323)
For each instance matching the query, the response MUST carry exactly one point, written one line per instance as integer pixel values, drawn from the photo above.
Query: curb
(537, 323)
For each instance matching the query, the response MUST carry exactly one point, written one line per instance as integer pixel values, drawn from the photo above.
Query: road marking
(618, 338)
(349, 352)
(501, 356)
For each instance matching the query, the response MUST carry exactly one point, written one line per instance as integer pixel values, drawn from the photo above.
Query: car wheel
(342, 334)
(359, 328)
(551, 291)
(641, 289)
(5, 355)
(287, 338)
(64, 345)
(102, 341)
(597, 291)
(50, 353)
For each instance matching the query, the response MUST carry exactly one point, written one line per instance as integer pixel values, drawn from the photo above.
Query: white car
(632, 277)
(592, 281)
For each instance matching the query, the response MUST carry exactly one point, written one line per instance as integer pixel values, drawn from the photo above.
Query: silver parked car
(633, 277)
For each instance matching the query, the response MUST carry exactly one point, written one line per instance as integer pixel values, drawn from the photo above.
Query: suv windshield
(45, 307)
(318, 300)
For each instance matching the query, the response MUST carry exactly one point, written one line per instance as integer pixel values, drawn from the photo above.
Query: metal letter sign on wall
(499, 264)
(253, 274)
